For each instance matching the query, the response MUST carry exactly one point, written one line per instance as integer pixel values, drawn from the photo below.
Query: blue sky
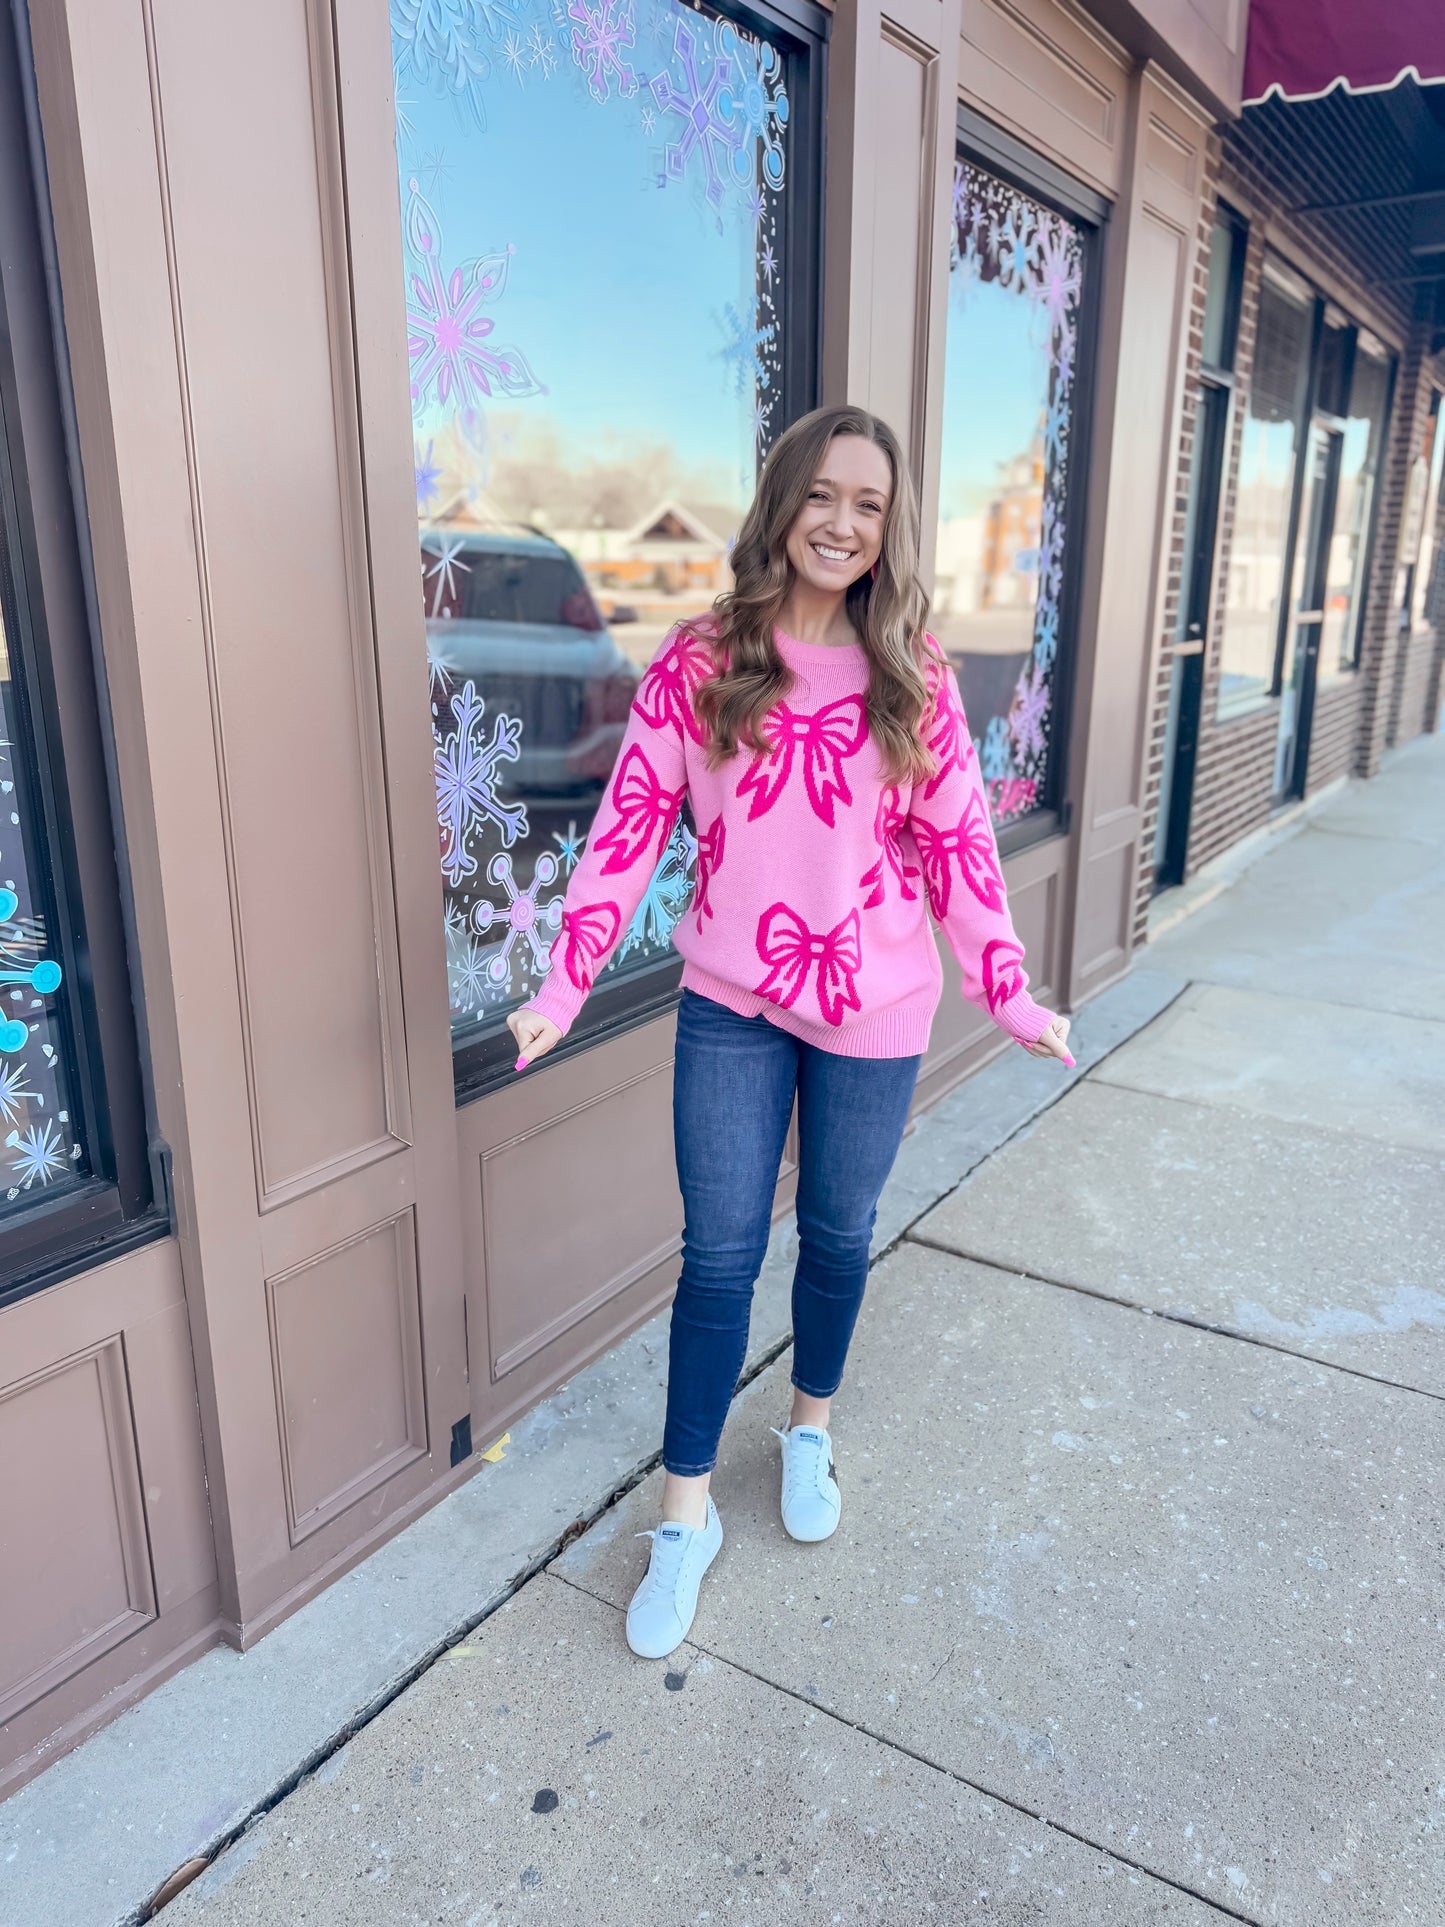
(617, 287)
(996, 374)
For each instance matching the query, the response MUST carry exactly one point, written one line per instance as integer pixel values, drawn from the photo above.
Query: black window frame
(1249, 703)
(1213, 435)
(986, 145)
(1350, 666)
(47, 582)
(801, 30)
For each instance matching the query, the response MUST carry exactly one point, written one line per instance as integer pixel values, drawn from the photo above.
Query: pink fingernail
(1070, 1062)
(522, 1063)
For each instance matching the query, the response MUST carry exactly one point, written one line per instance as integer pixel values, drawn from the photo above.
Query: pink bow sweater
(815, 874)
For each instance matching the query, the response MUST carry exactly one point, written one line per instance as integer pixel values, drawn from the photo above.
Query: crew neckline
(855, 647)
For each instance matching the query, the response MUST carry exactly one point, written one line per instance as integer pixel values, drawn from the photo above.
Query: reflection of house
(990, 560)
(1011, 532)
(676, 546)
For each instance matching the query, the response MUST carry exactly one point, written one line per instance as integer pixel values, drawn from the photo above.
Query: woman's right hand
(535, 1035)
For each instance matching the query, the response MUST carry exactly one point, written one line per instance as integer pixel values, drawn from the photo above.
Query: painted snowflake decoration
(20, 966)
(707, 131)
(439, 42)
(757, 105)
(1003, 236)
(995, 752)
(1057, 284)
(467, 775)
(15, 1094)
(428, 476)
(569, 847)
(1028, 714)
(666, 897)
(453, 359)
(601, 31)
(523, 917)
(39, 1154)
(744, 349)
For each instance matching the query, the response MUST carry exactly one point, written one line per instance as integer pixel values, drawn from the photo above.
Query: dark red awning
(1302, 48)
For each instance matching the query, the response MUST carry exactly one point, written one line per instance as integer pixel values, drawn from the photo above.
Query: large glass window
(610, 245)
(1011, 387)
(1361, 441)
(1206, 473)
(75, 1178)
(1424, 587)
(1274, 415)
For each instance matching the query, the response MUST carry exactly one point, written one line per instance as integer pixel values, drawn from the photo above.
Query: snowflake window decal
(696, 99)
(601, 31)
(523, 917)
(467, 776)
(1002, 235)
(448, 336)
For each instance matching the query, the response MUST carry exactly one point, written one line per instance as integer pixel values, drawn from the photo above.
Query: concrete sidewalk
(1135, 1613)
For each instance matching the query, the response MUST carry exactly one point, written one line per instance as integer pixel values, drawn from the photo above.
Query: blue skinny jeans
(734, 1082)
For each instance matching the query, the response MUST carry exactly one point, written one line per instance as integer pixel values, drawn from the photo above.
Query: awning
(1303, 48)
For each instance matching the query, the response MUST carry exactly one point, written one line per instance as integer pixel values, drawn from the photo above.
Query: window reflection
(592, 214)
(1013, 318)
(1360, 444)
(1262, 497)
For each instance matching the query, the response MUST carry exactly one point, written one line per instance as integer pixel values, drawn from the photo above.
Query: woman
(819, 736)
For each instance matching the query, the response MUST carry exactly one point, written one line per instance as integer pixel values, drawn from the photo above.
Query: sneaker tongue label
(806, 1432)
(669, 1532)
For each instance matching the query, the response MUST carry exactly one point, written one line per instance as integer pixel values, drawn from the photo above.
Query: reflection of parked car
(509, 610)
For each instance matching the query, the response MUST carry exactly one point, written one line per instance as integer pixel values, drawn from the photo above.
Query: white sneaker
(812, 1502)
(660, 1615)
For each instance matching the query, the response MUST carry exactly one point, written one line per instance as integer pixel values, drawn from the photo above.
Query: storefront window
(1361, 441)
(1265, 482)
(1015, 287)
(600, 226)
(76, 1180)
(1424, 588)
(39, 1143)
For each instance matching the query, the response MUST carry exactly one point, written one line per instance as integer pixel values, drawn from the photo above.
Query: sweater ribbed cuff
(559, 1000)
(1023, 1019)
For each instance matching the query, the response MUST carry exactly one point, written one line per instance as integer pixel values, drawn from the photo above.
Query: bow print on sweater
(791, 949)
(587, 934)
(949, 740)
(1003, 972)
(669, 686)
(709, 856)
(972, 843)
(889, 821)
(643, 809)
(823, 739)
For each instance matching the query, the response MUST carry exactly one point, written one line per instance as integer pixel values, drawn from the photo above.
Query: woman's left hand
(1054, 1042)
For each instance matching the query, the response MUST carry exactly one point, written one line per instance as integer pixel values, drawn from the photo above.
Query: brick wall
(1282, 156)
(1417, 697)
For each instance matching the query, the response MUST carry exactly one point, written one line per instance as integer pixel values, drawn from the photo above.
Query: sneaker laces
(666, 1561)
(802, 1461)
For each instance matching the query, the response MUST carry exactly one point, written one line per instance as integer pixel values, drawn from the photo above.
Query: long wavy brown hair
(888, 609)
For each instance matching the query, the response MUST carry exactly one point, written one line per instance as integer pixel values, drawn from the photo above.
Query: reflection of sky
(995, 384)
(617, 289)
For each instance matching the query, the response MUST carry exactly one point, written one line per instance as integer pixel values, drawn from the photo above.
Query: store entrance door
(1299, 667)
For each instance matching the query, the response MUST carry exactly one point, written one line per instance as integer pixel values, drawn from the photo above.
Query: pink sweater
(814, 874)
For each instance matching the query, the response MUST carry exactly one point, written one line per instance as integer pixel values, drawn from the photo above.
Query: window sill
(1241, 710)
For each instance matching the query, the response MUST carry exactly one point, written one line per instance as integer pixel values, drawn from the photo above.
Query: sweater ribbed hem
(900, 1031)
(559, 1000)
(1023, 1019)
